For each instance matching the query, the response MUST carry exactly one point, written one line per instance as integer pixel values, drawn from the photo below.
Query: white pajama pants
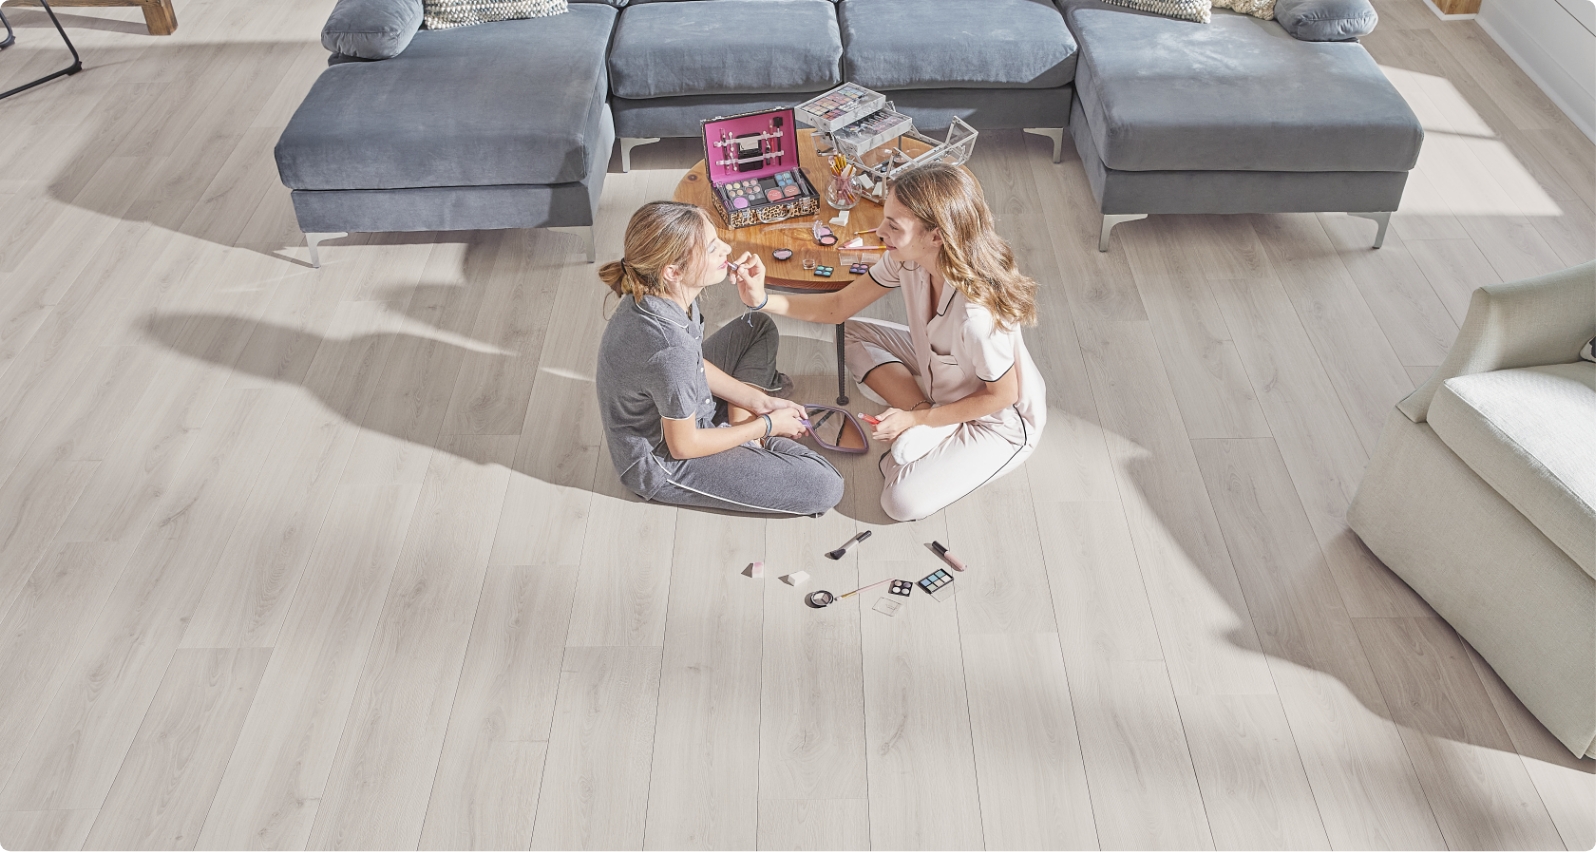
(976, 453)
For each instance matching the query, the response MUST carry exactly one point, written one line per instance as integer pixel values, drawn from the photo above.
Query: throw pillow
(1326, 20)
(1589, 352)
(446, 14)
(1257, 8)
(1185, 10)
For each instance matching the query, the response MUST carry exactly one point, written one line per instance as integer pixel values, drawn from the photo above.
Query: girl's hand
(895, 422)
(786, 422)
(751, 279)
(766, 404)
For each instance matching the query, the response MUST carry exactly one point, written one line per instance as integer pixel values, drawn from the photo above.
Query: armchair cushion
(1527, 433)
(371, 29)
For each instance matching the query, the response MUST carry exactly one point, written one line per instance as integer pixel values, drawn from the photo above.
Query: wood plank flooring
(296, 558)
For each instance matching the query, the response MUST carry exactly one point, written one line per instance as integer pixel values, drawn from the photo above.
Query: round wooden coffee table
(795, 234)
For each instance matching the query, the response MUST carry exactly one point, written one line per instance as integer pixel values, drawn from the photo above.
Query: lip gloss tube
(953, 561)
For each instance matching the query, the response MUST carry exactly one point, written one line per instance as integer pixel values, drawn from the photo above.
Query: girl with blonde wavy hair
(659, 380)
(966, 403)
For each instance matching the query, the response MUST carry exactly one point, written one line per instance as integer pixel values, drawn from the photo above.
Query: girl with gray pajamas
(659, 380)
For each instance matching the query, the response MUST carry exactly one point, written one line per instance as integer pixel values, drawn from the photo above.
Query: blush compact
(782, 254)
(752, 165)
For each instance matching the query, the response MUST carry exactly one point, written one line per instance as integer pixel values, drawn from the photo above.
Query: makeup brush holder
(752, 160)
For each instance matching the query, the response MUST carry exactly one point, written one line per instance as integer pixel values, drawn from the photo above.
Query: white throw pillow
(447, 14)
(1257, 8)
(1185, 10)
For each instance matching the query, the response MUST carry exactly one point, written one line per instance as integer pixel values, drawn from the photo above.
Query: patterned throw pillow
(445, 14)
(1257, 8)
(1185, 10)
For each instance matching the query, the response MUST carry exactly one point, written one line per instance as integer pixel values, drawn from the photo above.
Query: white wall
(1554, 41)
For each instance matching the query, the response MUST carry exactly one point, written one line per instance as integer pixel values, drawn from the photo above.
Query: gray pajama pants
(783, 477)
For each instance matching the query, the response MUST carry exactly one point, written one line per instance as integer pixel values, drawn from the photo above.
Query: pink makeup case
(753, 167)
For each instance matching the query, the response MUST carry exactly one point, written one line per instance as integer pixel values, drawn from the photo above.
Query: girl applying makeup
(967, 404)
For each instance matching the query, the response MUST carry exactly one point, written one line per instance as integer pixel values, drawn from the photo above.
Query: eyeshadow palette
(840, 107)
(859, 268)
(752, 165)
(824, 271)
(900, 587)
(938, 584)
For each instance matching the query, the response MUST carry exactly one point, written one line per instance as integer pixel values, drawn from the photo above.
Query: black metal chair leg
(77, 61)
(842, 367)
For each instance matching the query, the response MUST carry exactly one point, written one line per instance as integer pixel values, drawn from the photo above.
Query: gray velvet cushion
(967, 44)
(1326, 20)
(371, 29)
(511, 102)
(1234, 94)
(721, 47)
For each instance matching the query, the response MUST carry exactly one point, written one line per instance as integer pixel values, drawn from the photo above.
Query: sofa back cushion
(1531, 435)
(723, 47)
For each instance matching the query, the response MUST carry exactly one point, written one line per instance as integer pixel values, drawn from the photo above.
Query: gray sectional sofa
(511, 124)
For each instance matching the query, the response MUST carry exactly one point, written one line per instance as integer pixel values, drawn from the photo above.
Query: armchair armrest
(371, 29)
(1529, 323)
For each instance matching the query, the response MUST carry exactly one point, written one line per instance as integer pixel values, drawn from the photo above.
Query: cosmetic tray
(872, 132)
(840, 107)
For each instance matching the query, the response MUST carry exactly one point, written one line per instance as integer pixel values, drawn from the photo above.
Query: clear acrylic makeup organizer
(877, 165)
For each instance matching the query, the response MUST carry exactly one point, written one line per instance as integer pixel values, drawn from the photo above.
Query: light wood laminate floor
(296, 558)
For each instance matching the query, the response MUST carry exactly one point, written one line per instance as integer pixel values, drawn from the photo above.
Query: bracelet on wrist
(762, 303)
(922, 402)
(768, 424)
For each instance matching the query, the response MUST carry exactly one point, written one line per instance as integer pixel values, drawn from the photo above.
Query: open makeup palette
(753, 167)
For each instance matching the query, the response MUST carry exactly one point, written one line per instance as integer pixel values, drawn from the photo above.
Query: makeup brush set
(752, 160)
(938, 584)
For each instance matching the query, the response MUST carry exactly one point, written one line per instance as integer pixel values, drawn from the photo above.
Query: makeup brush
(837, 554)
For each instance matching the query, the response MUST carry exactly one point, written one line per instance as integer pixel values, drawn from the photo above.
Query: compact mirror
(820, 598)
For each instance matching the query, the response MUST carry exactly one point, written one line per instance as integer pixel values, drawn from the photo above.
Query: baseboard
(1536, 77)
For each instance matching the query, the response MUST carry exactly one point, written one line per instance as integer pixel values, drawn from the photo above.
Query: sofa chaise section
(501, 125)
(1233, 116)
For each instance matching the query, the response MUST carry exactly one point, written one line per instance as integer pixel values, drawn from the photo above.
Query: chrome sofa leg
(627, 144)
(1054, 133)
(1109, 221)
(1381, 219)
(586, 234)
(311, 240)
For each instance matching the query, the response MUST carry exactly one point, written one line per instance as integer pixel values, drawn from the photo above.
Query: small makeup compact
(752, 161)
(823, 234)
(938, 584)
(859, 268)
(782, 254)
(824, 271)
(900, 587)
